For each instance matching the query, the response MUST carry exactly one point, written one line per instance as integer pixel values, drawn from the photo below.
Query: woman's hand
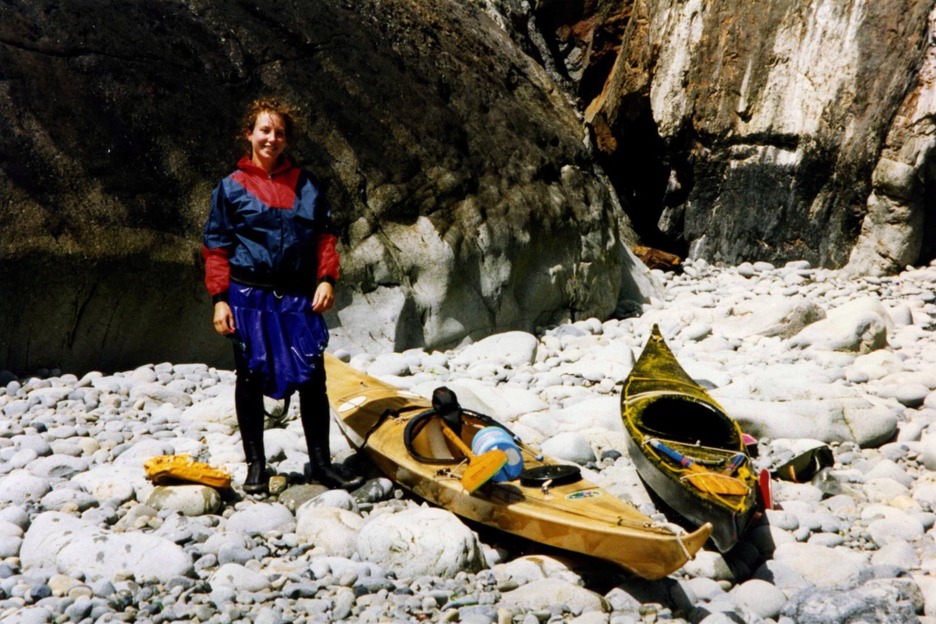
(223, 318)
(324, 298)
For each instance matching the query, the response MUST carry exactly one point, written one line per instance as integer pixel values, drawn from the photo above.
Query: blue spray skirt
(283, 338)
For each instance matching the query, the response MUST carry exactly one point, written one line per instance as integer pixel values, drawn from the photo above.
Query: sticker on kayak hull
(583, 494)
(352, 403)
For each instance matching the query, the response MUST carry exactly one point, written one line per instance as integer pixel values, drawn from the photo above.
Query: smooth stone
(860, 326)
(14, 409)
(891, 470)
(21, 486)
(769, 316)
(59, 541)
(760, 597)
(295, 496)
(222, 539)
(872, 602)
(239, 578)
(930, 401)
(48, 397)
(373, 491)
(10, 546)
(333, 498)
(828, 540)
(34, 614)
(513, 349)
(883, 489)
(332, 530)
(570, 447)
(160, 393)
(529, 569)
(262, 518)
(927, 450)
(824, 567)
(549, 592)
(590, 617)
(710, 565)
(911, 395)
(118, 484)
(189, 500)
(896, 553)
(420, 541)
(33, 442)
(600, 413)
(137, 453)
(722, 617)
(927, 585)
(900, 528)
(395, 364)
(18, 458)
(58, 466)
(16, 515)
(234, 553)
(704, 588)
(62, 584)
(64, 499)
(216, 410)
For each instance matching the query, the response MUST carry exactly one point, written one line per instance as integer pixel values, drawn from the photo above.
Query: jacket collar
(247, 165)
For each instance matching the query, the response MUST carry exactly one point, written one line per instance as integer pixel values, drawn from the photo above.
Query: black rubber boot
(315, 414)
(257, 481)
(320, 469)
(248, 401)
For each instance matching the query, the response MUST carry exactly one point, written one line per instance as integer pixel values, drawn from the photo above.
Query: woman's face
(267, 139)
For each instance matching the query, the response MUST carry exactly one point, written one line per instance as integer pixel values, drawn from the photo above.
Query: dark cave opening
(642, 175)
(928, 247)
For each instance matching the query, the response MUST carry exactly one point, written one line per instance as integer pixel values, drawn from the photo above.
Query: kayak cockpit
(688, 421)
(425, 440)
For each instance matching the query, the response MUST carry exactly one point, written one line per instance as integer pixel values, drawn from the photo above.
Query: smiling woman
(271, 267)
(267, 137)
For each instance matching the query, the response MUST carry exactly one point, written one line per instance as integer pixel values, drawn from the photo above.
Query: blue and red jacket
(272, 230)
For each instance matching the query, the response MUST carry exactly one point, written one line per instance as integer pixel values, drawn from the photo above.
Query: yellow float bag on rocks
(173, 468)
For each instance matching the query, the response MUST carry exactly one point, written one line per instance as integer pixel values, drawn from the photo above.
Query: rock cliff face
(445, 132)
(768, 130)
(463, 188)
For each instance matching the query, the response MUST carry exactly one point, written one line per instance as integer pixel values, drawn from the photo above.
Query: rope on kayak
(678, 532)
(387, 413)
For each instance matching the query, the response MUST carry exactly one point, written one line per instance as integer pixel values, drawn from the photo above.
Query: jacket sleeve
(328, 262)
(217, 241)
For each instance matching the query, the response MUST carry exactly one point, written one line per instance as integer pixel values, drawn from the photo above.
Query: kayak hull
(577, 515)
(659, 400)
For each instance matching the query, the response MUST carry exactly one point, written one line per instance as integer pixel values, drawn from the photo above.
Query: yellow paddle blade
(715, 483)
(481, 468)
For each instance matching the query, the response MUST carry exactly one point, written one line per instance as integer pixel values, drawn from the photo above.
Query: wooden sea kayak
(685, 447)
(547, 503)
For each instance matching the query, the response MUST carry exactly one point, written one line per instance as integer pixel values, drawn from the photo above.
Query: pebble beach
(801, 357)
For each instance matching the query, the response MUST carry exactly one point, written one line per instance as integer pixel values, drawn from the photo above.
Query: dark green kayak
(687, 450)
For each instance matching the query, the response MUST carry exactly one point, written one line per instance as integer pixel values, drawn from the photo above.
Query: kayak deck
(578, 516)
(660, 400)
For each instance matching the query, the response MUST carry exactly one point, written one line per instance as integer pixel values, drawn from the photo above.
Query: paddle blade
(481, 468)
(704, 480)
(715, 483)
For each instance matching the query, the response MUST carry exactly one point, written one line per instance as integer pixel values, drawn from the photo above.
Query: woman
(270, 268)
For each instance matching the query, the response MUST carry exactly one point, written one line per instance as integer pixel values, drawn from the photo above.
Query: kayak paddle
(710, 482)
(480, 467)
